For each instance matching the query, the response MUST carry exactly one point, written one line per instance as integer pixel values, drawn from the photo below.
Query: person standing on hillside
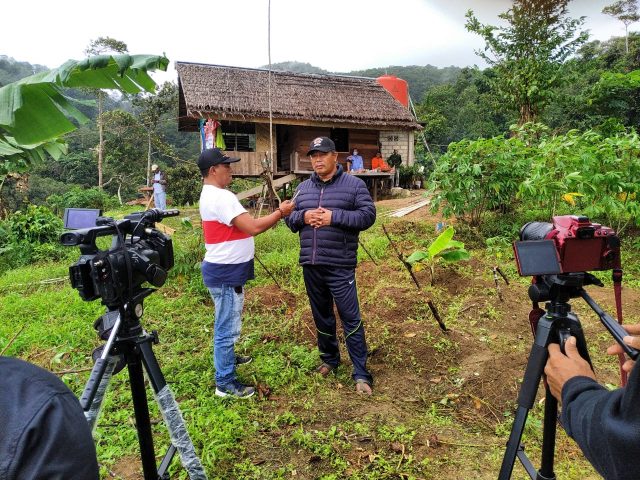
(228, 263)
(159, 187)
(394, 161)
(331, 210)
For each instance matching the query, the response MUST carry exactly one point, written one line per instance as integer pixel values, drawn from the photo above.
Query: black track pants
(326, 285)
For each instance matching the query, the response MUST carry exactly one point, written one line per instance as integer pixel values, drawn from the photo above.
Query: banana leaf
(34, 112)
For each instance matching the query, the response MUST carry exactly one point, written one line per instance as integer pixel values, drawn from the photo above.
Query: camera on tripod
(570, 244)
(559, 256)
(139, 252)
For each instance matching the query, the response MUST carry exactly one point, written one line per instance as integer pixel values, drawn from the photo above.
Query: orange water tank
(396, 87)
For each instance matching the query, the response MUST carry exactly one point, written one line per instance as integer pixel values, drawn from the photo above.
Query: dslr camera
(139, 253)
(570, 244)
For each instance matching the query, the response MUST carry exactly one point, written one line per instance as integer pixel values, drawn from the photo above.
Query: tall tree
(34, 112)
(527, 53)
(151, 109)
(102, 46)
(627, 12)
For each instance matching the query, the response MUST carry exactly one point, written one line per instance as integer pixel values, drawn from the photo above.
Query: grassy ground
(443, 402)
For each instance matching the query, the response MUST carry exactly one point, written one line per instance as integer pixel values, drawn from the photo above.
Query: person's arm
(254, 226)
(362, 217)
(606, 425)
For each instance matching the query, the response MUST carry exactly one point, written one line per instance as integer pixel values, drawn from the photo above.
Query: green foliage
(40, 188)
(599, 175)
(442, 248)
(527, 53)
(35, 112)
(474, 177)
(29, 235)
(82, 198)
(185, 183)
(468, 108)
(548, 174)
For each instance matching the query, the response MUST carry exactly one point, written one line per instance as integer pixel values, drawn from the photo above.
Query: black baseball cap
(213, 156)
(321, 144)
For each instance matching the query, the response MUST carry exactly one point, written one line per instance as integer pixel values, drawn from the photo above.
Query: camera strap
(616, 276)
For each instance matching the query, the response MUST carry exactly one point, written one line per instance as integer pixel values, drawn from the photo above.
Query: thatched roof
(233, 93)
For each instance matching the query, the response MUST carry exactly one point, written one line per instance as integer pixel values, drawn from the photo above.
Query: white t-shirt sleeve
(229, 208)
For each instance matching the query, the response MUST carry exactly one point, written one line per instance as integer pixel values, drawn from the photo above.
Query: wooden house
(356, 112)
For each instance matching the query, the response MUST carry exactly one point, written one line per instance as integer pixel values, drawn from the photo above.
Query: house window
(340, 137)
(238, 136)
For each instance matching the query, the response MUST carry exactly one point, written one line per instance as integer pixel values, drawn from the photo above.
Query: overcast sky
(336, 35)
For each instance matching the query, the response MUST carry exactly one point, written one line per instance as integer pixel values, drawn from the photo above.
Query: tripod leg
(548, 437)
(180, 439)
(93, 409)
(143, 423)
(527, 395)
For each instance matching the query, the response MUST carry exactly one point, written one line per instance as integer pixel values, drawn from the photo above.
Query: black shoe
(235, 389)
(243, 359)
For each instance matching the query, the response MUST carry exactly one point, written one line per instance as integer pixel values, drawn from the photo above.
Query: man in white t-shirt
(228, 262)
(159, 187)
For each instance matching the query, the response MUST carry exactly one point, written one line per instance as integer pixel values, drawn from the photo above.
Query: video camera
(570, 244)
(139, 252)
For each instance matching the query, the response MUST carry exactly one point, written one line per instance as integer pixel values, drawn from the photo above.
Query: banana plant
(35, 113)
(443, 248)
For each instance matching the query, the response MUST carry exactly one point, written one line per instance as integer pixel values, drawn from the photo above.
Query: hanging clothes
(211, 134)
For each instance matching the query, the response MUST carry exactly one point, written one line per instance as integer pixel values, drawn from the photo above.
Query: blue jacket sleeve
(295, 221)
(606, 425)
(362, 217)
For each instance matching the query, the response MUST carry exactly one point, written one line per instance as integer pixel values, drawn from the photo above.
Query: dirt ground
(473, 370)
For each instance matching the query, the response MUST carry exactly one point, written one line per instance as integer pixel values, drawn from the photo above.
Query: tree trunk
(149, 158)
(626, 39)
(101, 140)
(526, 114)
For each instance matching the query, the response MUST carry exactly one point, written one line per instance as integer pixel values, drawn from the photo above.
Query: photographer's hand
(629, 340)
(562, 367)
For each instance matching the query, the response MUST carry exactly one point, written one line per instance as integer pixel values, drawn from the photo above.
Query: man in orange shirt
(378, 163)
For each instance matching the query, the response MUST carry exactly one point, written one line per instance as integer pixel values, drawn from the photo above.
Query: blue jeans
(226, 330)
(160, 200)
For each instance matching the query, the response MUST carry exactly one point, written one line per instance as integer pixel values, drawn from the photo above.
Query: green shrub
(30, 236)
(185, 183)
(82, 198)
(477, 176)
(40, 188)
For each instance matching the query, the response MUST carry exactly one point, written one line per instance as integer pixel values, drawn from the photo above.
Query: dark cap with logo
(213, 156)
(321, 144)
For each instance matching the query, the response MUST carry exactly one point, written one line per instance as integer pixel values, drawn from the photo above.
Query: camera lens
(535, 230)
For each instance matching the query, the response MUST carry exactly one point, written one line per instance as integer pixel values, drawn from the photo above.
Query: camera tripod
(129, 344)
(555, 325)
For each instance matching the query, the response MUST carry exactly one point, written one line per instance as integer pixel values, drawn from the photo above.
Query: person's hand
(286, 208)
(629, 340)
(310, 215)
(318, 217)
(562, 367)
(322, 218)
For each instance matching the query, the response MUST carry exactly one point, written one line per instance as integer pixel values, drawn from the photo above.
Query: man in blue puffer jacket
(331, 210)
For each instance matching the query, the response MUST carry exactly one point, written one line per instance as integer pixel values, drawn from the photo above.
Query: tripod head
(560, 288)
